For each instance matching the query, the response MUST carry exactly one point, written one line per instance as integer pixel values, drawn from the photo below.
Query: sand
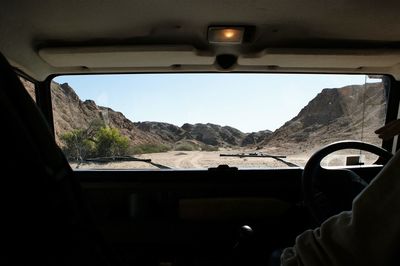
(207, 159)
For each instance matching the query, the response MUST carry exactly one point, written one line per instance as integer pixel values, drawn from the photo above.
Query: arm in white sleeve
(368, 235)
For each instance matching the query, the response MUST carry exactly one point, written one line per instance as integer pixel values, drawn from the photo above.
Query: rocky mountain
(165, 131)
(352, 112)
(215, 135)
(256, 138)
(71, 113)
(209, 134)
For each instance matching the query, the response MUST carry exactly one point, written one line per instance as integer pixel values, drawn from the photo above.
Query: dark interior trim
(43, 99)
(392, 106)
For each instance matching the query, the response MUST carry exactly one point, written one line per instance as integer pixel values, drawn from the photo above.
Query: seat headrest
(20, 103)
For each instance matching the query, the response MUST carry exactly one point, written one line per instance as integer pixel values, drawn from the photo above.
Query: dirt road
(207, 159)
(193, 160)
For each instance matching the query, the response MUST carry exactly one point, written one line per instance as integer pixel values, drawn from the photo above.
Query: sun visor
(303, 58)
(124, 57)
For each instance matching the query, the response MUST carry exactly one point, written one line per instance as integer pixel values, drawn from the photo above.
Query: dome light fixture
(225, 35)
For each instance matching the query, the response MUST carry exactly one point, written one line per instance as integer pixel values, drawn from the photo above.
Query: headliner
(295, 32)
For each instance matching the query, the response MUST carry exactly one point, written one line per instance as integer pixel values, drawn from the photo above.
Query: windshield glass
(181, 121)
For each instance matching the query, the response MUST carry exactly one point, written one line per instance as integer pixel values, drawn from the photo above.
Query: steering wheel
(329, 191)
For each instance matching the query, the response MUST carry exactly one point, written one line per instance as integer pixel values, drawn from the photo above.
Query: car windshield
(198, 121)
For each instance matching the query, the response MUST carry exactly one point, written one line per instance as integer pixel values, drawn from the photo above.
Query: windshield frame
(44, 95)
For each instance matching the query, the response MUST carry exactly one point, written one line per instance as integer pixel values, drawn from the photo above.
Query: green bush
(110, 142)
(77, 145)
(94, 141)
(149, 148)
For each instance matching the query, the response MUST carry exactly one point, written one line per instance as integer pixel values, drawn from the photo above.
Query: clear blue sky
(248, 102)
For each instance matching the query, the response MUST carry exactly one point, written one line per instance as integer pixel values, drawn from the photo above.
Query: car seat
(45, 219)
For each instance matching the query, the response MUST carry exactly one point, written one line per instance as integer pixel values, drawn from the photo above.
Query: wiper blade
(124, 158)
(261, 155)
(253, 154)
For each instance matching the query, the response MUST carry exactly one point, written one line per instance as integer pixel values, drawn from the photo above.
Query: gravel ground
(205, 159)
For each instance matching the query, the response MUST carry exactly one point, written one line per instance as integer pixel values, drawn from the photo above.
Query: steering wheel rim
(313, 167)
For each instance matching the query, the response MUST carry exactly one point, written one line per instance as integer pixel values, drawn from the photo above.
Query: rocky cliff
(351, 112)
(72, 113)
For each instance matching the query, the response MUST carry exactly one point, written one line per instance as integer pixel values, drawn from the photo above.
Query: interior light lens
(225, 35)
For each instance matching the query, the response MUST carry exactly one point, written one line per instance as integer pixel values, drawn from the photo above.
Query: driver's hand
(389, 130)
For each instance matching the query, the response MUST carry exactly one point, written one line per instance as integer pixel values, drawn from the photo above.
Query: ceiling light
(225, 35)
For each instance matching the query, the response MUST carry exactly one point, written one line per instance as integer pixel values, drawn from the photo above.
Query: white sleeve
(369, 235)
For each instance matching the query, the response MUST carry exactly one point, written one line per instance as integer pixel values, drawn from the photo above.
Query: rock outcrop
(351, 112)
(71, 113)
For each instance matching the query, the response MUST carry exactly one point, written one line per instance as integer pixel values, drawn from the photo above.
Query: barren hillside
(351, 112)
(72, 113)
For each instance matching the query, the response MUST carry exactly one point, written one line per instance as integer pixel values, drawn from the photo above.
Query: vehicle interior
(66, 210)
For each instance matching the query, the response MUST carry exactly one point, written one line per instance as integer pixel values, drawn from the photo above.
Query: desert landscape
(351, 112)
(198, 160)
(211, 159)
